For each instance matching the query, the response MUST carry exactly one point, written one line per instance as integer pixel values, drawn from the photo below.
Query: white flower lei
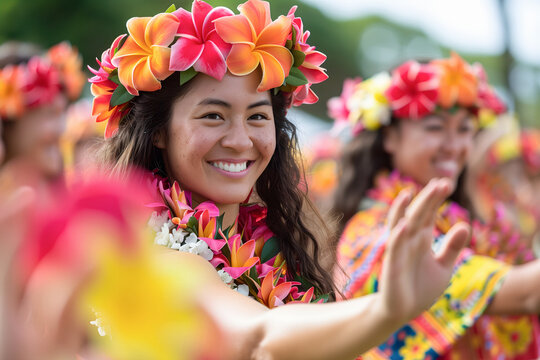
(168, 235)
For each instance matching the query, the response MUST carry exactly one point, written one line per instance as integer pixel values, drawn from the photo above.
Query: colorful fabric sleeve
(361, 248)
(475, 281)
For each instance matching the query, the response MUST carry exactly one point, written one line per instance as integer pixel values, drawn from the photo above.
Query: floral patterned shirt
(452, 327)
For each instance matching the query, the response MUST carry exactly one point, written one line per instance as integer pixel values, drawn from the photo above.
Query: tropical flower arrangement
(246, 255)
(413, 91)
(211, 41)
(38, 82)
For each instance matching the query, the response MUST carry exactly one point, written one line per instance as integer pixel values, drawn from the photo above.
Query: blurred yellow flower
(145, 306)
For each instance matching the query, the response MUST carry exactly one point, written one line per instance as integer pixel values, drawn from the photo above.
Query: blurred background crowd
(360, 38)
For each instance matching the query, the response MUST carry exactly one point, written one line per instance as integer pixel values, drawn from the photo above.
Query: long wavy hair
(279, 186)
(362, 159)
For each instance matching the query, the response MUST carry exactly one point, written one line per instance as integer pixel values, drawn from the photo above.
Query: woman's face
(35, 137)
(220, 138)
(435, 146)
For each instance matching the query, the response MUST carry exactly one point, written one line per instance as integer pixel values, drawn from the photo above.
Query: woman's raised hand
(413, 276)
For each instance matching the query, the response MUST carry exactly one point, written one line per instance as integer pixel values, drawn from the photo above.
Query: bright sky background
(465, 25)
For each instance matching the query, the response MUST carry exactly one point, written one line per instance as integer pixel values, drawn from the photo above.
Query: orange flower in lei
(257, 40)
(143, 60)
(458, 83)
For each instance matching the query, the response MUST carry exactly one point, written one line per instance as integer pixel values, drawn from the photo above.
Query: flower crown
(206, 40)
(523, 144)
(38, 82)
(413, 91)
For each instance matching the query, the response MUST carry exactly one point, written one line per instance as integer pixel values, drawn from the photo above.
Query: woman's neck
(231, 213)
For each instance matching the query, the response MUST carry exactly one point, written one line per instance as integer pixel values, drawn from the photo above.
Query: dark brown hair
(362, 159)
(278, 186)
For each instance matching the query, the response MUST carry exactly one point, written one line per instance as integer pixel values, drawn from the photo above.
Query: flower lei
(497, 238)
(27, 86)
(414, 91)
(211, 41)
(246, 255)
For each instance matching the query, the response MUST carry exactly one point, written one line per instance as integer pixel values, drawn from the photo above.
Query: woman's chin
(229, 198)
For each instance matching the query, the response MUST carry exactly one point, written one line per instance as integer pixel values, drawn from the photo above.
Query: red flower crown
(206, 40)
(38, 82)
(415, 90)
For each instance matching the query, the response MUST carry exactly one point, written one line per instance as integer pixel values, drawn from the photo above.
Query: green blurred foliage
(91, 25)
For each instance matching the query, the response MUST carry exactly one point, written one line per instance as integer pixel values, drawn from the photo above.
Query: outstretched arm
(412, 278)
(520, 292)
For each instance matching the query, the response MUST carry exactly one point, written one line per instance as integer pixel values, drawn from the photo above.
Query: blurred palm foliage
(359, 47)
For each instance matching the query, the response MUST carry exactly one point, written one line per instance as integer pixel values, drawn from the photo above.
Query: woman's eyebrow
(211, 101)
(260, 103)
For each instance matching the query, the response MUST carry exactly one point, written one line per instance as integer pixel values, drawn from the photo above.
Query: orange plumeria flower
(69, 63)
(101, 108)
(143, 60)
(272, 292)
(458, 84)
(257, 40)
(11, 97)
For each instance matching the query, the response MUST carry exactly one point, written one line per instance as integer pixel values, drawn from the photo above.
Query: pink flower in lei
(247, 251)
(413, 92)
(199, 44)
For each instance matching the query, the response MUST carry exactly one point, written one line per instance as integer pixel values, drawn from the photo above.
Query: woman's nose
(237, 136)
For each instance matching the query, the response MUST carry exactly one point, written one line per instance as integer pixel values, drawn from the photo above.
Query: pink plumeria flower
(199, 44)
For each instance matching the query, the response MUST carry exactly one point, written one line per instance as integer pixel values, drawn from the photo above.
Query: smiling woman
(202, 98)
(219, 146)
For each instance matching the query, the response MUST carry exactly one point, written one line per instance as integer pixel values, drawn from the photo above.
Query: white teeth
(231, 167)
(447, 165)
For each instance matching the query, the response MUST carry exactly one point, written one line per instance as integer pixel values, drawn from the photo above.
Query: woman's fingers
(399, 205)
(395, 239)
(454, 241)
(424, 206)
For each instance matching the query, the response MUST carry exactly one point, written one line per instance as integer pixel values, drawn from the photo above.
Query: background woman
(417, 125)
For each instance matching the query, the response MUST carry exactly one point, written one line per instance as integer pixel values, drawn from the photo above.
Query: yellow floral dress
(453, 327)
